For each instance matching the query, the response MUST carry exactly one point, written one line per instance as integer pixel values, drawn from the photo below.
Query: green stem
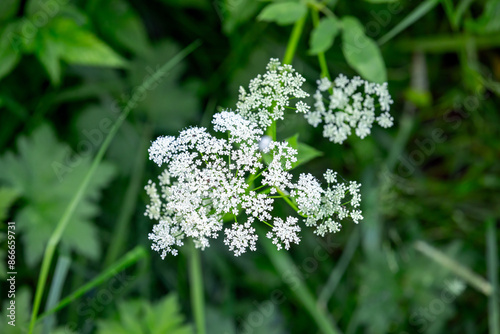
(56, 286)
(294, 40)
(271, 131)
(474, 280)
(492, 260)
(129, 201)
(284, 265)
(61, 225)
(288, 200)
(127, 260)
(321, 55)
(197, 298)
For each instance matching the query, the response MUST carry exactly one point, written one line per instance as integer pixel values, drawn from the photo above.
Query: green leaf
(283, 13)
(305, 152)
(9, 53)
(47, 53)
(323, 36)
(119, 22)
(7, 197)
(361, 52)
(140, 317)
(46, 174)
(8, 9)
(80, 46)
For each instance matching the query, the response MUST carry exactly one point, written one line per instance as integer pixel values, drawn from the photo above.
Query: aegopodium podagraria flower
(207, 179)
(230, 183)
(350, 104)
(269, 95)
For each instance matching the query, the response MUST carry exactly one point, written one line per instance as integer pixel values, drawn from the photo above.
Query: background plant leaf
(323, 36)
(361, 52)
(45, 174)
(138, 317)
(283, 13)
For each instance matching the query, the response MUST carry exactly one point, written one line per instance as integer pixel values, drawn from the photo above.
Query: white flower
(284, 232)
(268, 95)
(324, 84)
(349, 108)
(241, 237)
(385, 120)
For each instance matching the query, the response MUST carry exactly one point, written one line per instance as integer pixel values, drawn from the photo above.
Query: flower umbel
(212, 183)
(351, 104)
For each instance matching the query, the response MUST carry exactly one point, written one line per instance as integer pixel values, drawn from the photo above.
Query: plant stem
(474, 280)
(129, 201)
(126, 261)
(294, 40)
(321, 55)
(284, 265)
(61, 225)
(56, 286)
(197, 298)
(492, 260)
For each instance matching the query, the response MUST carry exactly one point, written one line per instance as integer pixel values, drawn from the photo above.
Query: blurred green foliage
(67, 69)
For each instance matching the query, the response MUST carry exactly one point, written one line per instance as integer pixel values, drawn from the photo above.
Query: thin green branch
(492, 261)
(126, 261)
(321, 55)
(422, 9)
(196, 282)
(465, 273)
(294, 40)
(129, 201)
(63, 222)
(284, 265)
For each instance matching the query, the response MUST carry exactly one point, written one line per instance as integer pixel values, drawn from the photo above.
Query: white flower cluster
(320, 206)
(211, 181)
(208, 181)
(269, 95)
(207, 178)
(347, 107)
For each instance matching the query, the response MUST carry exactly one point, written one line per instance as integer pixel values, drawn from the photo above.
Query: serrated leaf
(361, 52)
(80, 46)
(140, 317)
(46, 173)
(283, 13)
(9, 54)
(323, 36)
(305, 153)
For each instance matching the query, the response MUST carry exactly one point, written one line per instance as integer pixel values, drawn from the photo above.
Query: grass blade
(63, 222)
(411, 18)
(196, 282)
(474, 280)
(492, 262)
(56, 286)
(284, 264)
(339, 270)
(127, 260)
(129, 200)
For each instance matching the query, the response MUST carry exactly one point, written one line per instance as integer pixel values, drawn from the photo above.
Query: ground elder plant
(229, 181)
